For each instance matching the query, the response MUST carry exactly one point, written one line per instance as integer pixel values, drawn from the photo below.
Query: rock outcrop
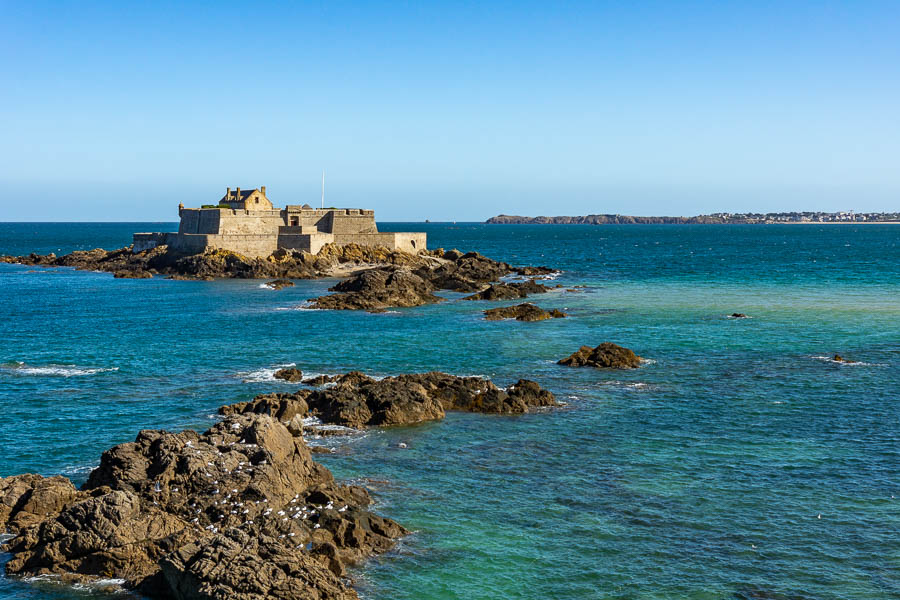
(240, 511)
(510, 291)
(379, 278)
(289, 374)
(357, 401)
(279, 284)
(523, 312)
(414, 285)
(378, 289)
(738, 316)
(281, 264)
(606, 356)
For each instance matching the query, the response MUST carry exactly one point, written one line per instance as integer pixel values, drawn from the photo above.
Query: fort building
(246, 222)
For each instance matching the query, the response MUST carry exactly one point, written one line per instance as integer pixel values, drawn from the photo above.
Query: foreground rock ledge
(356, 400)
(605, 356)
(241, 511)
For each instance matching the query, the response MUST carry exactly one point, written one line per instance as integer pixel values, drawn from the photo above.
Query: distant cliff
(611, 220)
(848, 217)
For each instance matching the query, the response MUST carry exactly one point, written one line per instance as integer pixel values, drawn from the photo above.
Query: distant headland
(712, 219)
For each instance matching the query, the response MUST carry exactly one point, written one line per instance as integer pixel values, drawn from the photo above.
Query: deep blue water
(739, 462)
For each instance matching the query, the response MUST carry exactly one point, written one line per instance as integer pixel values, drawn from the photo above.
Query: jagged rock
(321, 379)
(522, 312)
(534, 271)
(382, 278)
(281, 406)
(135, 274)
(358, 401)
(26, 500)
(279, 284)
(236, 566)
(738, 316)
(169, 502)
(290, 374)
(378, 289)
(509, 291)
(606, 355)
(841, 359)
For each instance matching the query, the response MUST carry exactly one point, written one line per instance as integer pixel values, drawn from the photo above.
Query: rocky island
(356, 400)
(245, 236)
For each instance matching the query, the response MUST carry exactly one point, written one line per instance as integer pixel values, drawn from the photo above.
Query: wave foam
(265, 375)
(627, 385)
(305, 305)
(77, 469)
(847, 363)
(54, 370)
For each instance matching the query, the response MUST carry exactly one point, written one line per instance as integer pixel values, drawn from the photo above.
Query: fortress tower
(246, 222)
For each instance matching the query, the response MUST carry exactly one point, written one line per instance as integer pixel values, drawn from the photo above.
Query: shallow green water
(738, 463)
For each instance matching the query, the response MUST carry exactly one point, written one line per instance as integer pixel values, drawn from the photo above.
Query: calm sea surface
(739, 463)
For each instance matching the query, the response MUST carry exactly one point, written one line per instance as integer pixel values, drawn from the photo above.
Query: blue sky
(457, 111)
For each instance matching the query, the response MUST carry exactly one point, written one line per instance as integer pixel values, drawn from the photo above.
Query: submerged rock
(523, 312)
(840, 359)
(607, 355)
(290, 374)
(358, 401)
(240, 511)
(279, 284)
(509, 291)
(738, 316)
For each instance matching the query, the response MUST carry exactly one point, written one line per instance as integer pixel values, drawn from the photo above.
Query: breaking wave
(265, 375)
(52, 370)
(847, 363)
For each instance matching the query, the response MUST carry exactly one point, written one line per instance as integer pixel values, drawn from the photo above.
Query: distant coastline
(789, 218)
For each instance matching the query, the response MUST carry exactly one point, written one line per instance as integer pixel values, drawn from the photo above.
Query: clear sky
(119, 111)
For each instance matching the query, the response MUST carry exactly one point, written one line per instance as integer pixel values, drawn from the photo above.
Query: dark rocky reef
(605, 356)
(281, 264)
(523, 312)
(840, 359)
(240, 511)
(290, 374)
(378, 289)
(357, 401)
(414, 285)
(738, 316)
(510, 291)
(279, 284)
(378, 278)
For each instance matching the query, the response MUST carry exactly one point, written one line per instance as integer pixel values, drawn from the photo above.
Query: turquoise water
(738, 463)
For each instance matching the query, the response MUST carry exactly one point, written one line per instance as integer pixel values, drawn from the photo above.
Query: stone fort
(246, 222)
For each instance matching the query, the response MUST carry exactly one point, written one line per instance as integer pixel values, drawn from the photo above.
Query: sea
(740, 461)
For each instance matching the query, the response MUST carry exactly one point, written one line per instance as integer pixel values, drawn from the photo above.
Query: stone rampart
(410, 242)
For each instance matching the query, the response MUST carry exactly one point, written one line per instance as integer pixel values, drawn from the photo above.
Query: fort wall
(258, 233)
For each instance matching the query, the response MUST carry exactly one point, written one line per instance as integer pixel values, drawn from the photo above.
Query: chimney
(263, 190)
(238, 194)
(228, 193)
